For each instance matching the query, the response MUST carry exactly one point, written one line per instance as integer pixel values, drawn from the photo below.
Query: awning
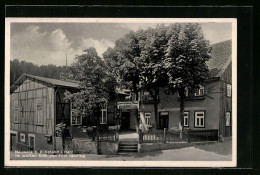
(128, 105)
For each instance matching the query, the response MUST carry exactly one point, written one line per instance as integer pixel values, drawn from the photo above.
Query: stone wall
(108, 148)
(86, 146)
(79, 145)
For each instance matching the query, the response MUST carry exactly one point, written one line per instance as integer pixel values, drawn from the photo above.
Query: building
(37, 105)
(209, 108)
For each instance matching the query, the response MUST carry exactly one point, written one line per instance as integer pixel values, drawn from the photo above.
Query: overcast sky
(46, 43)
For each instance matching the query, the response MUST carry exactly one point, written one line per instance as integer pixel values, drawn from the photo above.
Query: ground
(220, 151)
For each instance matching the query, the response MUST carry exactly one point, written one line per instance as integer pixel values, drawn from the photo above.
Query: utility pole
(66, 59)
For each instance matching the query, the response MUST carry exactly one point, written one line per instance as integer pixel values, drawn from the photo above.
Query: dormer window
(200, 91)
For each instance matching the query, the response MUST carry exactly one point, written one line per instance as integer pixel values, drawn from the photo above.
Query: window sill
(39, 124)
(16, 122)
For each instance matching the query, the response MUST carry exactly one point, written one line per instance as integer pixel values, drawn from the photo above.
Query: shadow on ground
(222, 148)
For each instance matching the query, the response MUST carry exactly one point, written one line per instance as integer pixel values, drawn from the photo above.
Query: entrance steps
(128, 147)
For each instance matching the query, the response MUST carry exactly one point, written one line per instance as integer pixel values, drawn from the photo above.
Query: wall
(226, 102)
(40, 142)
(27, 94)
(108, 148)
(210, 103)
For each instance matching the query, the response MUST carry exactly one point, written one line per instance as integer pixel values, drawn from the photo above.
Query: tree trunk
(155, 113)
(182, 98)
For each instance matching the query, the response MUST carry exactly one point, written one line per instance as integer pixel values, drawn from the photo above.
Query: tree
(185, 63)
(98, 85)
(122, 58)
(152, 73)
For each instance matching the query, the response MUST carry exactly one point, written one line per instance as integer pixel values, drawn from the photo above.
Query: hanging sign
(128, 105)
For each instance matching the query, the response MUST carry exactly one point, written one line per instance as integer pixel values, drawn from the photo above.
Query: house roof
(54, 82)
(221, 57)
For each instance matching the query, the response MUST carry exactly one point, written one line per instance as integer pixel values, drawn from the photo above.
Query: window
(199, 119)
(103, 118)
(16, 112)
(39, 112)
(227, 118)
(186, 93)
(147, 117)
(76, 119)
(147, 96)
(186, 119)
(22, 137)
(200, 91)
(229, 90)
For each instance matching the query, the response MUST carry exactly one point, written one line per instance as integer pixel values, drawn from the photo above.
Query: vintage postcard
(121, 92)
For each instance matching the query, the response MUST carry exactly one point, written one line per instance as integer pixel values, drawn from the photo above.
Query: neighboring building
(37, 105)
(209, 108)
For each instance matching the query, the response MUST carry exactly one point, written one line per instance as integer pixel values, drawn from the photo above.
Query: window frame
(39, 101)
(16, 108)
(101, 121)
(201, 117)
(187, 116)
(229, 124)
(73, 110)
(229, 90)
(148, 118)
(198, 92)
(22, 139)
(149, 97)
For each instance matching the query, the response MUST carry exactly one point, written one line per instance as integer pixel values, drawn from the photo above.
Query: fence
(174, 136)
(108, 136)
(79, 132)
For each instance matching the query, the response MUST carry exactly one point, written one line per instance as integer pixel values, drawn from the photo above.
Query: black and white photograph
(121, 92)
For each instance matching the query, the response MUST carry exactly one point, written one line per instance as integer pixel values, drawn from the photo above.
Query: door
(13, 142)
(163, 120)
(31, 142)
(125, 123)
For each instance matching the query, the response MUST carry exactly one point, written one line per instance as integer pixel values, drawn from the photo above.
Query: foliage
(185, 62)
(98, 84)
(17, 68)
(60, 129)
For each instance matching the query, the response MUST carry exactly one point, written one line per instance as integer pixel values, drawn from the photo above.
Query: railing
(108, 136)
(176, 136)
(82, 133)
(151, 136)
(203, 135)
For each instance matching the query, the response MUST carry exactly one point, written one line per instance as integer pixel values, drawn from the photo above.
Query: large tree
(122, 60)
(98, 84)
(185, 62)
(152, 73)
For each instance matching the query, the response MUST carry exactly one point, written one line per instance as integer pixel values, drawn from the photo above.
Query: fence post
(117, 135)
(188, 135)
(97, 141)
(140, 136)
(164, 135)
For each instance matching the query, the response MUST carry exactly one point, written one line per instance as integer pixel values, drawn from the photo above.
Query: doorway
(125, 121)
(13, 141)
(31, 142)
(163, 120)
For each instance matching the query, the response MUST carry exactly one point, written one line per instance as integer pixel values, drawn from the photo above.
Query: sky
(49, 43)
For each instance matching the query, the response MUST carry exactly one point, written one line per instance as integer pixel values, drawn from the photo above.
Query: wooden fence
(108, 136)
(175, 136)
